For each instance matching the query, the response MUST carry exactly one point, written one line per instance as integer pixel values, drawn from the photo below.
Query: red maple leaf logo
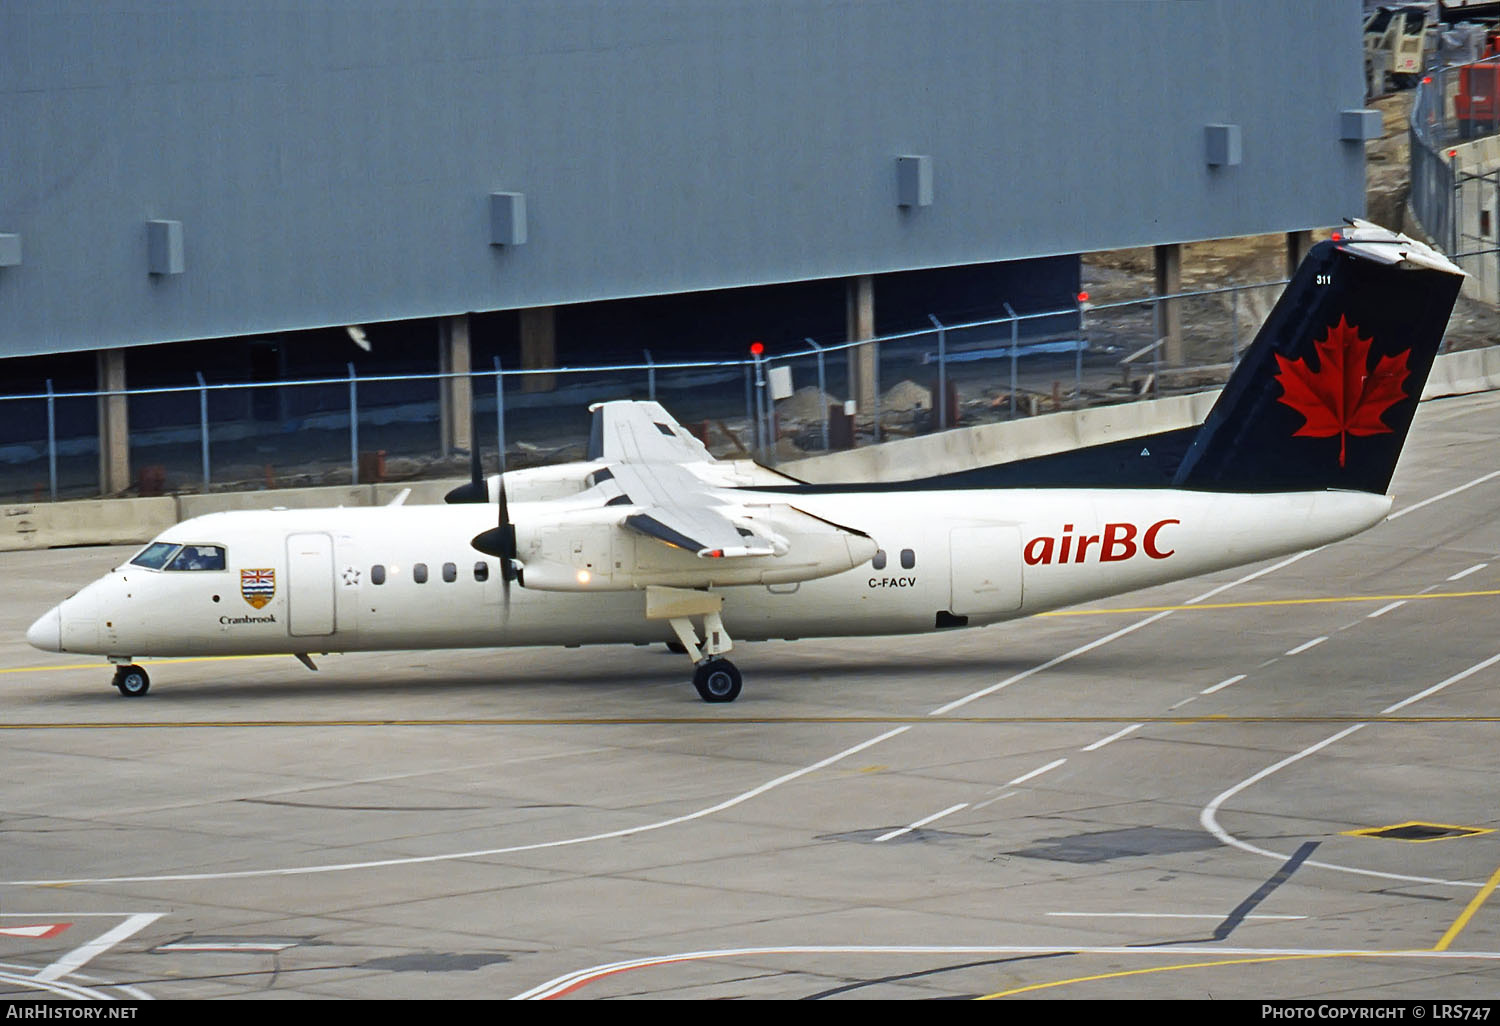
(1343, 396)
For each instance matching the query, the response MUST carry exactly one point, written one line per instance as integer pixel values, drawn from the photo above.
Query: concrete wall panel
(332, 163)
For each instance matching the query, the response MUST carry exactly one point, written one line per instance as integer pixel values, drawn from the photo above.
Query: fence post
(762, 422)
(353, 425)
(650, 376)
(1015, 331)
(1234, 325)
(822, 392)
(942, 396)
(203, 425)
(752, 422)
(51, 442)
(499, 412)
(1156, 348)
(1078, 353)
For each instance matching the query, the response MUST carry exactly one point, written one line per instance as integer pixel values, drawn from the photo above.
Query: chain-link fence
(202, 435)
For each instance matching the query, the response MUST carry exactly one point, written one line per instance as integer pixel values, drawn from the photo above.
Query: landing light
(583, 577)
(756, 348)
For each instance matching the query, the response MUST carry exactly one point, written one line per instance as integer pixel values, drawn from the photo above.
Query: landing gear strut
(132, 681)
(716, 678)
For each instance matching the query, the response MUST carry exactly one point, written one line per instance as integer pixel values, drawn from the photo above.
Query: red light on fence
(1452, 154)
(1427, 80)
(756, 348)
(1083, 297)
(1337, 236)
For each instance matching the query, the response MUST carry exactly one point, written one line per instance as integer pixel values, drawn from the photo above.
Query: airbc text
(1116, 544)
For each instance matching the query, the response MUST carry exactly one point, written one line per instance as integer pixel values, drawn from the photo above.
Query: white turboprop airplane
(653, 540)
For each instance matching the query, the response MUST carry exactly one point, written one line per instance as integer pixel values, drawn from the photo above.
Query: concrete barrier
(985, 444)
(41, 525)
(44, 525)
(189, 506)
(1473, 370)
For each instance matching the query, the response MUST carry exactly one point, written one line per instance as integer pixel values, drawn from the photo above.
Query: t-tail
(1325, 394)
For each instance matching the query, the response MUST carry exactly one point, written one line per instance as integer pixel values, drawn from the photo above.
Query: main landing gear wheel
(132, 681)
(717, 680)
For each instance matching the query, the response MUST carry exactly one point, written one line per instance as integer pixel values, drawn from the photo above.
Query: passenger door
(985, 570)
(310, 587)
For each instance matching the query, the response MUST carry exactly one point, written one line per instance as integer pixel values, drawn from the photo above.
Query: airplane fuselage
(406, 578)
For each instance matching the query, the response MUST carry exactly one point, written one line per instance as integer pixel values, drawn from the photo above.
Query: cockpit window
(155, 555)
(198, 557)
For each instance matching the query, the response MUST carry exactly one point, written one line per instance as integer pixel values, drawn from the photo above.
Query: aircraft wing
(675, 507)
(640, 431)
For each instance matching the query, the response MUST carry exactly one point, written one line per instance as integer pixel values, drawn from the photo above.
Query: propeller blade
(500, 542)
(508, 536)
(477, 489)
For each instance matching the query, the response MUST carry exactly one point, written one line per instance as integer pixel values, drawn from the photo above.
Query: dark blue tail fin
(1325, 394)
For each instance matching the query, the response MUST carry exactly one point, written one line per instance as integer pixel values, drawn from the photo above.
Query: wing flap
(675, 508)
(641, 431)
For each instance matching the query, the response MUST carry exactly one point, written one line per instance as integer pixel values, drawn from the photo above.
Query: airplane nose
(46, 633)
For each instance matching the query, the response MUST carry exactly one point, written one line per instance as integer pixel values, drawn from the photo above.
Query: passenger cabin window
(450, 572)
(198, 557)
(481, 571)
(878, 562)
(419, 573)
(908, 559)
(155, 555)
(377, 573)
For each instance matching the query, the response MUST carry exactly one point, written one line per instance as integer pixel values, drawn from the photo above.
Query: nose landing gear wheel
(717, 680)
(132, 681)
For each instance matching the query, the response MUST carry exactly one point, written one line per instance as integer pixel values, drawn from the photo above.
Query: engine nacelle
(601, 555)
(539, 484)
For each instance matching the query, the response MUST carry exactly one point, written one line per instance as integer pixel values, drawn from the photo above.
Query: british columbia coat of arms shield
(258, 586)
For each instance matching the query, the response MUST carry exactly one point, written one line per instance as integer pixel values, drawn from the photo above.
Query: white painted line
(61, 989)
(1034, 773)
(227, 946)
(81, 956)
(1451, 491)
(1462, 675)
(1209, 817)
(1386, 609)
(1113, 737)
(1250, 577)
(1179, 705)
(1472, 570)
(919, 824)
(1307, 645)
(991, 801)
(1080, 650)
(579, 978)
(37, 930)
(1224, 684)
(414, 860)
(1216, 916)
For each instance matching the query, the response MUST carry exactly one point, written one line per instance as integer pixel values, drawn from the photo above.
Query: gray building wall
(330, 163)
